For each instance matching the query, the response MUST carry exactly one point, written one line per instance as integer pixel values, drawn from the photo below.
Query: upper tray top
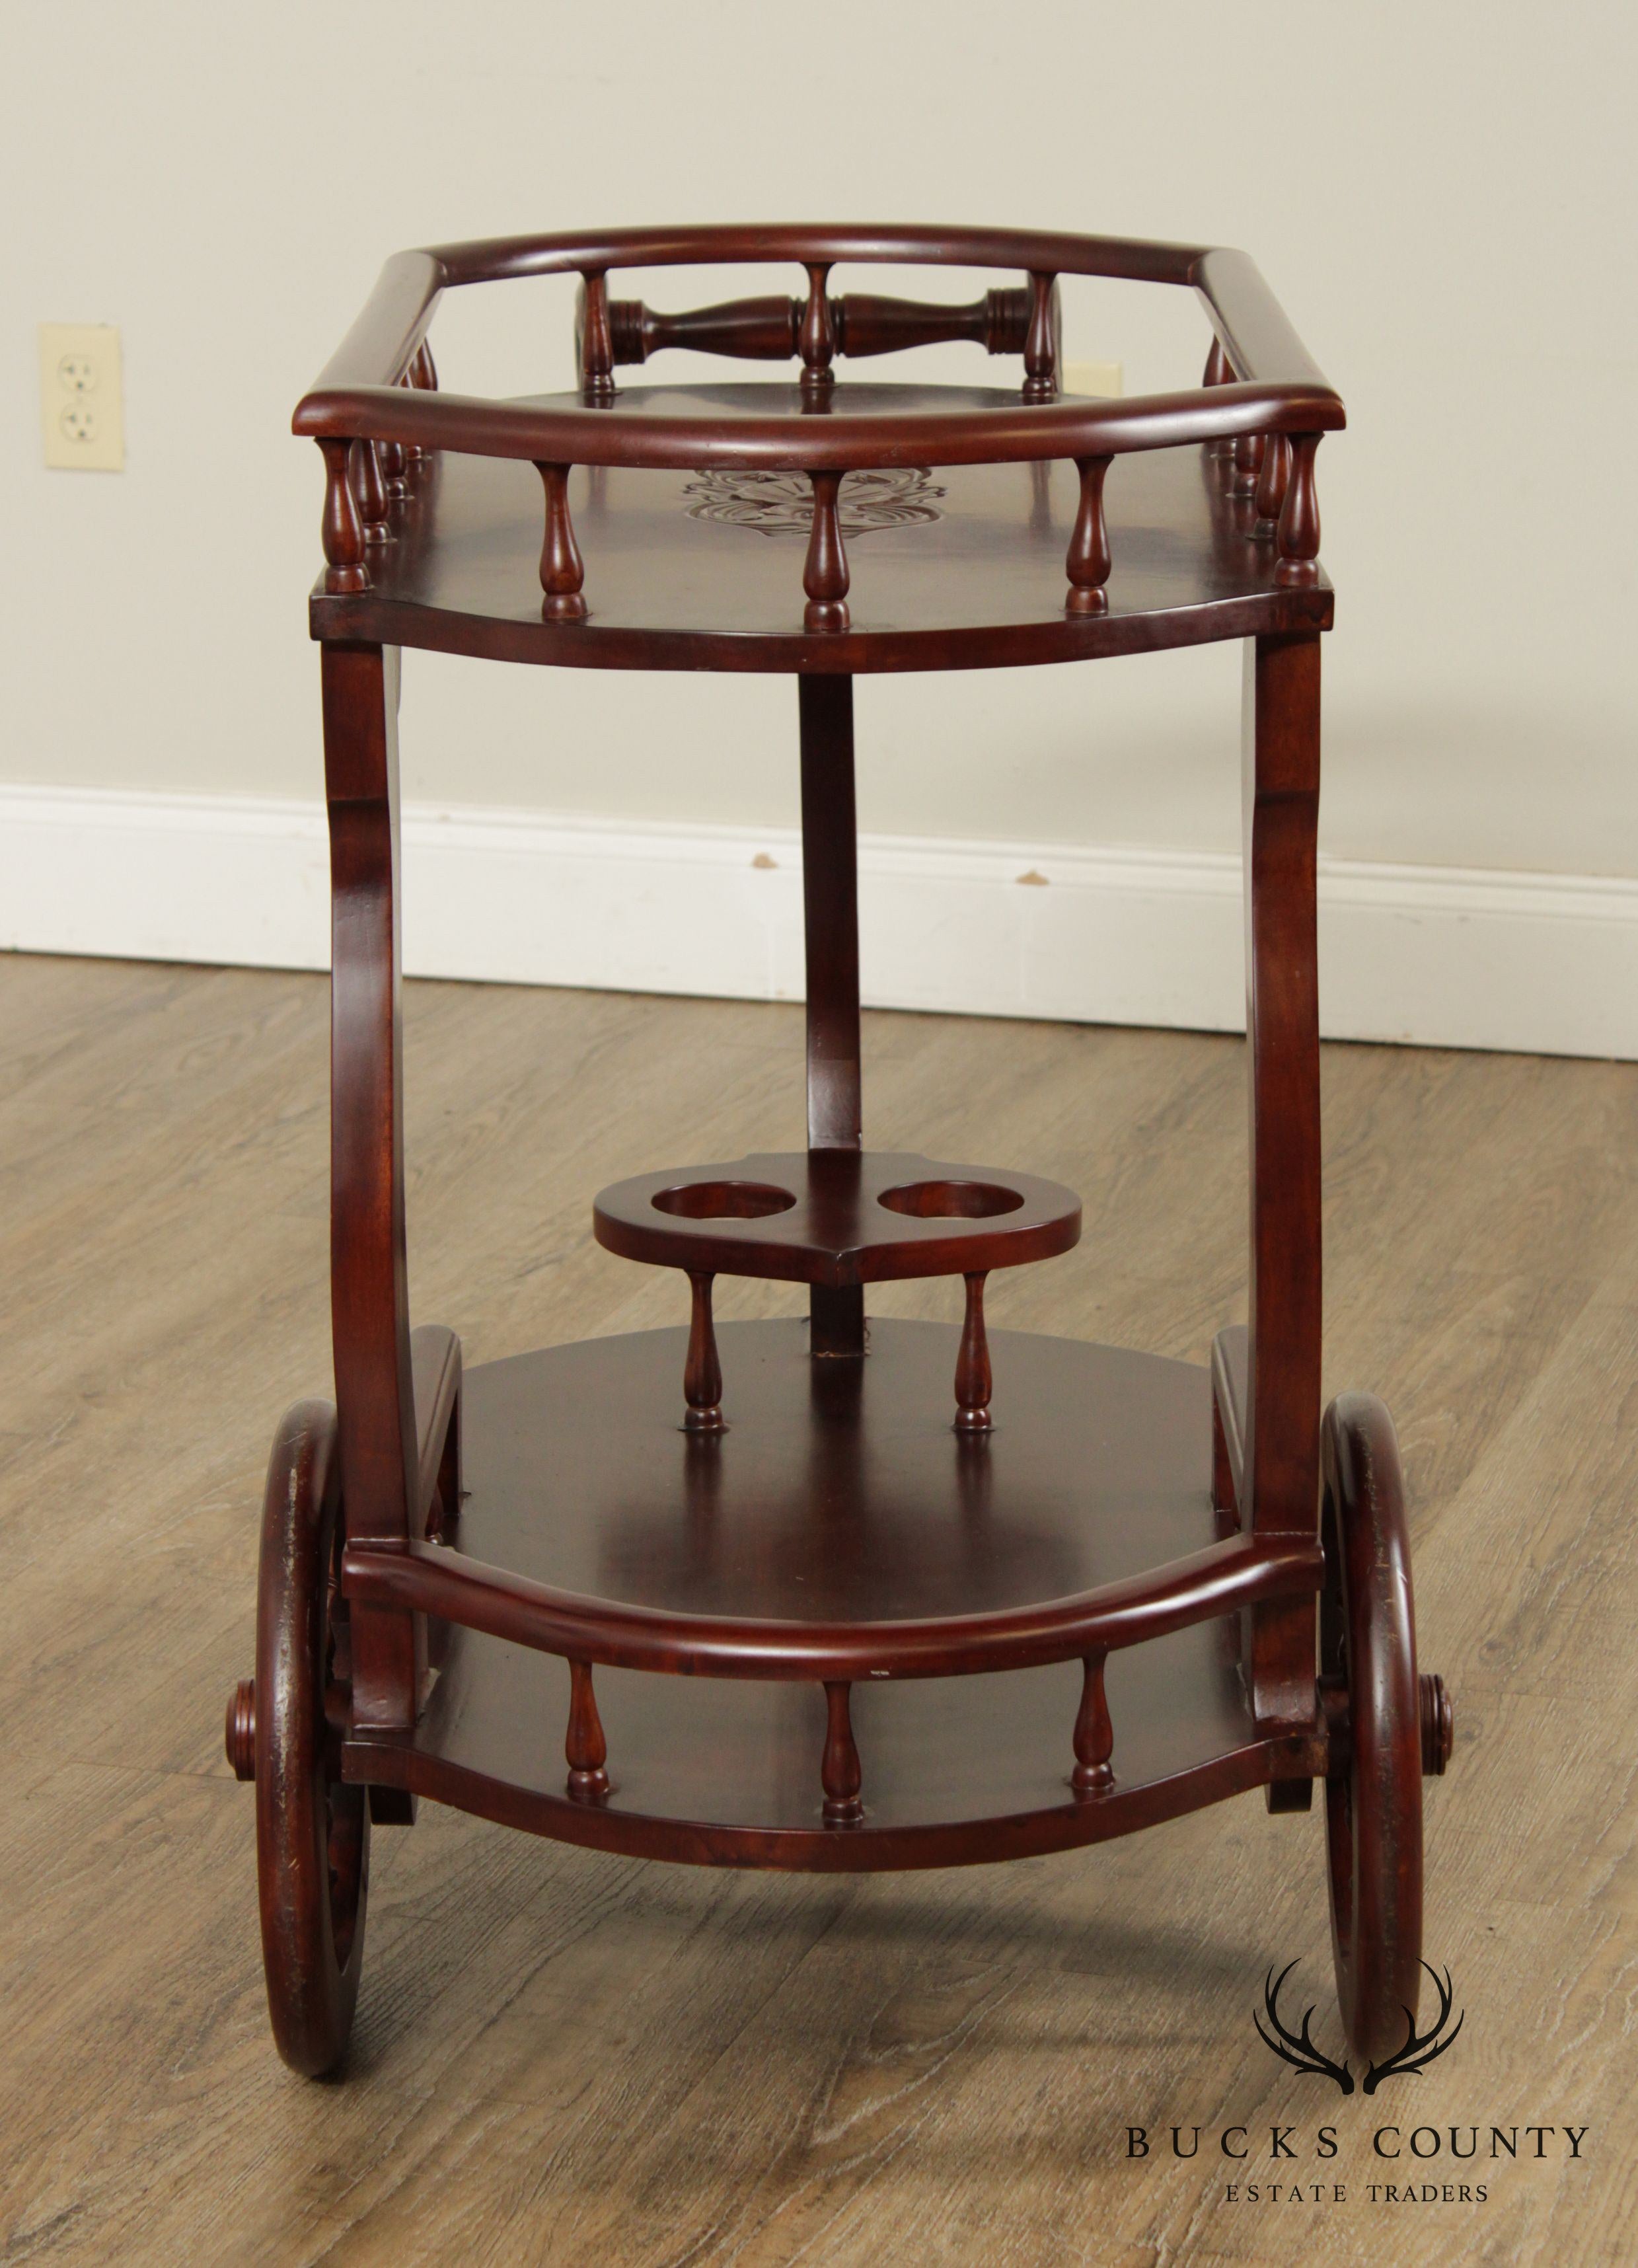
(951, 568)
(421, 550)
(1269, 383)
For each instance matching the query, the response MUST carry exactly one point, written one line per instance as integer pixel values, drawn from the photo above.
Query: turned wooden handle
(869, 324)
(768, 329)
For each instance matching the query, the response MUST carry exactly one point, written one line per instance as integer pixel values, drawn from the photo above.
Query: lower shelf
(839, 1491)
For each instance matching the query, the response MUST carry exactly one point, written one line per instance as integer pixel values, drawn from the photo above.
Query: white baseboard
(1439, 956)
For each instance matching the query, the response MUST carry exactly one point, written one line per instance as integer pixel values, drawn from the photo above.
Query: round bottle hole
(723, 1200)
(950, 1200)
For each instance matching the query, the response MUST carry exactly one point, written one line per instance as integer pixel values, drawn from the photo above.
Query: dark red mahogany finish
(837, 1217)
(838, 1534)
(796, 1617)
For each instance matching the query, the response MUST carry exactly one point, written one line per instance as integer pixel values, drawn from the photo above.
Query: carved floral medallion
(781, 504)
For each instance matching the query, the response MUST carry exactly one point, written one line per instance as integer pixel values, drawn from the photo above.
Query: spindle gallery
(829, 1592)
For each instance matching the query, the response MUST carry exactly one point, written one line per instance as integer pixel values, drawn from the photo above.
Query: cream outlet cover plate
(1093, 378)
(82, 418)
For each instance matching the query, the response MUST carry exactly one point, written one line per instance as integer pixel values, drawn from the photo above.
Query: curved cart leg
(1388, 1726)
(312, 1833)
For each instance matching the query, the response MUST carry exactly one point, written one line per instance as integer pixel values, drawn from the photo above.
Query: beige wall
(1442, 195)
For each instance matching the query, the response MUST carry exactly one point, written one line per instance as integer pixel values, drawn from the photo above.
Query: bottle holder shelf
(837, 1218)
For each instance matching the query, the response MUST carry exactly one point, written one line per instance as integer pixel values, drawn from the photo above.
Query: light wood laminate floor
(568, 2058)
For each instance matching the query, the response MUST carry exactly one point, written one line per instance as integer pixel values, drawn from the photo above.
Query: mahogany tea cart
(826, 1592)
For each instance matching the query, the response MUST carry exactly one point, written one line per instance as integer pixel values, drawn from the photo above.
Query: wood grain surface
(673, 582)
(564, 2057)
(837, 1217)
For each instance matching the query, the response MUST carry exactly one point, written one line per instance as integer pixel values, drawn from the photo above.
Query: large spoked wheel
(312, 1832)
(1390, 1727)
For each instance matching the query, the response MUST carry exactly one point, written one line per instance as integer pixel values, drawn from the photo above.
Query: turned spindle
(839, 1774)
(1219, 371)
(1248, 464)
(1041, 344)
(343, 530)
(1088, 561)
(596, 339)
(371, 491)
(562, 570)
(768, 328)
(815, 340)
(583, 1745)
(423, 379)
(1299, 520)
(973, 1383)
(1094, 1734)
(414, 454)
(702, 1373)
(825, 571)
(395, 461)
(1272, 483)
(1041, 497)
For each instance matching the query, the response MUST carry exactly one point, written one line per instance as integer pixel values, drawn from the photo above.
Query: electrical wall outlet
(82, 418)
(1097, 378)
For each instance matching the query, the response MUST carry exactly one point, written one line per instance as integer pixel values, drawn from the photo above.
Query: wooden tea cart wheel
(1388, 1727)
(312, 1833)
